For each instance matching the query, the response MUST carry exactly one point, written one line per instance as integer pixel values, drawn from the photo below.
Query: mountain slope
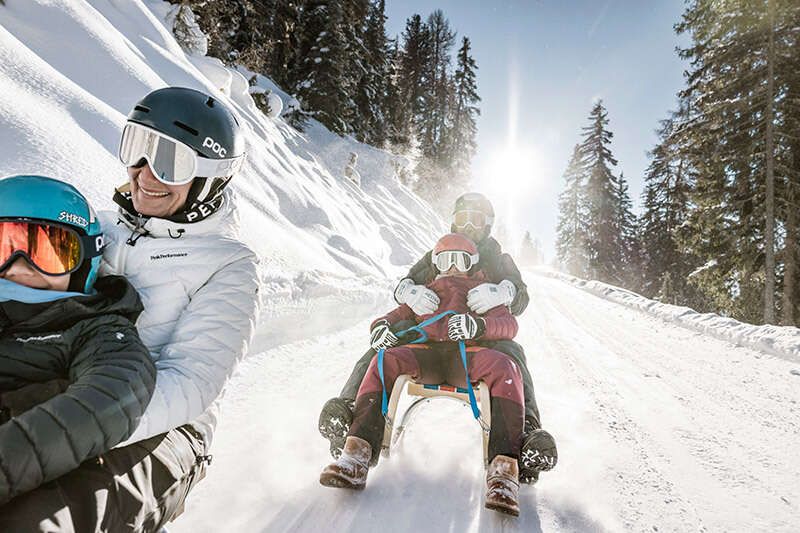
(71, 70)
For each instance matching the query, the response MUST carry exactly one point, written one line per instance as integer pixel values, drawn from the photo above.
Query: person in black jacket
(75, 378)
(473, 216)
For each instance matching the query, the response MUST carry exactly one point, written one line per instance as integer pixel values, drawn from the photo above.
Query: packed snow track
(659, 429)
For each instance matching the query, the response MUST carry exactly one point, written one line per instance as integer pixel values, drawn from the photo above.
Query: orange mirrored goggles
(52, 249)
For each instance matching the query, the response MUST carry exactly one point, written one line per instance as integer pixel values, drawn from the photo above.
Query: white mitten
(419, 298)
(489, 295)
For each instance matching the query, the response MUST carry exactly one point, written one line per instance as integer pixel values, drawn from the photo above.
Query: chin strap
(211, 191)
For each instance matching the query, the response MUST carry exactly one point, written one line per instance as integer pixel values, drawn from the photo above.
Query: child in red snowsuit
(438, 361)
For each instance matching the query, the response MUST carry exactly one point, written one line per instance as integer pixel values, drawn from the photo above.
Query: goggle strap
(93, 245)
(213, 168)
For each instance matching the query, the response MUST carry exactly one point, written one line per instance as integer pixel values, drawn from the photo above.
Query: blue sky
(541, 65)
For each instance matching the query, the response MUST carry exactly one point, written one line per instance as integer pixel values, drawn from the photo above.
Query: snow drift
(781, 341)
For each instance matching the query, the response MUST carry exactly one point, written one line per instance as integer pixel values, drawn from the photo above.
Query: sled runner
(422, 394)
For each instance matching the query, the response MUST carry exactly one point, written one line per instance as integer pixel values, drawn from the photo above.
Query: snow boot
(538, 454)
(334, 423)
(350, 470)
(502, 485)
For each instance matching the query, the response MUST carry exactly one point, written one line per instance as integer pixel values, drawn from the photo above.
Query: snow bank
(781, 341)
(71, 71)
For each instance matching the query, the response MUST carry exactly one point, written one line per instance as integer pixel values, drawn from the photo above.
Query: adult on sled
(74, 376)
(439, 360)
(174, 238)
(473, 216)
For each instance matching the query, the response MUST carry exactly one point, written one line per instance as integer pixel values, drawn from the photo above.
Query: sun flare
(513, 171)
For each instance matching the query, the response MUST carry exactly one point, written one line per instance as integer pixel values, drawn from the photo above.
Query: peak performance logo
(167, 256)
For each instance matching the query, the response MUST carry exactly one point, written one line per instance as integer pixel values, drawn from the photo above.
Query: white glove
(419, 298)
(381, 337)
(488, 296)
(464, 327)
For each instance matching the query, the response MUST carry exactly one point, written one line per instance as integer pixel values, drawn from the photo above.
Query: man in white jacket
(174, 238)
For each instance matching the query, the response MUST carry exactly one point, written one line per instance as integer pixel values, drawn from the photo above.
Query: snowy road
(659, 429)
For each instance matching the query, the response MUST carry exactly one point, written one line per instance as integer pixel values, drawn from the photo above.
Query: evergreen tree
(356, 68)
(743, 64)
(412, 65)
(571, 248)
(668, 183)
(284, 42)
(530, 252)
(373, 85)
(603, 234)
(462, 140)
(323, 86)
(629, 244)
(397, 112)
(433, 124)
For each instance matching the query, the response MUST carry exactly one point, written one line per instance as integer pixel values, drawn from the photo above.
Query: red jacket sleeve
(403, 312)
(500, 324)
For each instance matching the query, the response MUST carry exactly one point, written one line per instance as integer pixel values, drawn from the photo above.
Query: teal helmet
(51, 200)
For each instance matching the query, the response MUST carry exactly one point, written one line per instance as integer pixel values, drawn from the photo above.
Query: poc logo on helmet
(215, 146)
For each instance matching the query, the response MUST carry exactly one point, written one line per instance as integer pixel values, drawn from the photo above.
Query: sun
(513, 170)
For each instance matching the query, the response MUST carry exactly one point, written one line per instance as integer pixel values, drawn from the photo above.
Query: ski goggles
(172, 162)
(52, 249)
(476, 219)
(463, 261)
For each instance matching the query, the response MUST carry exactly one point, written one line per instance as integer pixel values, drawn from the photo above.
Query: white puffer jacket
(199, 286)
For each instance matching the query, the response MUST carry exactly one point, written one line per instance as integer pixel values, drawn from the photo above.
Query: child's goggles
(476, 219)
(172, 162)
(463, 261)
(52, 249)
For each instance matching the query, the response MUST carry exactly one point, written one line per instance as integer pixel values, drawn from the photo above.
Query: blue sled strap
(419, 328)
(384, 401)
(473, 403)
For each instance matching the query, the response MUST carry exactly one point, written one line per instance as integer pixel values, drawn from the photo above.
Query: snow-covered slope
(70, 70)
(781, 341)
(660, 429)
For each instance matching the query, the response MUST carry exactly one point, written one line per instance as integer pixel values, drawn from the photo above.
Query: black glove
(381, 337)
(465, 327)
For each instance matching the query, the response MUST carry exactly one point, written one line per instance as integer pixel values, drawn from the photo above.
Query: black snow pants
(138, 488)
(508, 347)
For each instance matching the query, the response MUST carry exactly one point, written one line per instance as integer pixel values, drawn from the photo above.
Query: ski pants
(440, 363)
(138, 488)
(508, 347)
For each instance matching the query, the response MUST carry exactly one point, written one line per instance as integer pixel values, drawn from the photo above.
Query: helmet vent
(183, 126)
(210, 102)
(141, 108)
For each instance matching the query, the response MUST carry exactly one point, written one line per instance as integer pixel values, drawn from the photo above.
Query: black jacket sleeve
(112, 378)
(422, 272)
(508, 270)
(499, 266)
